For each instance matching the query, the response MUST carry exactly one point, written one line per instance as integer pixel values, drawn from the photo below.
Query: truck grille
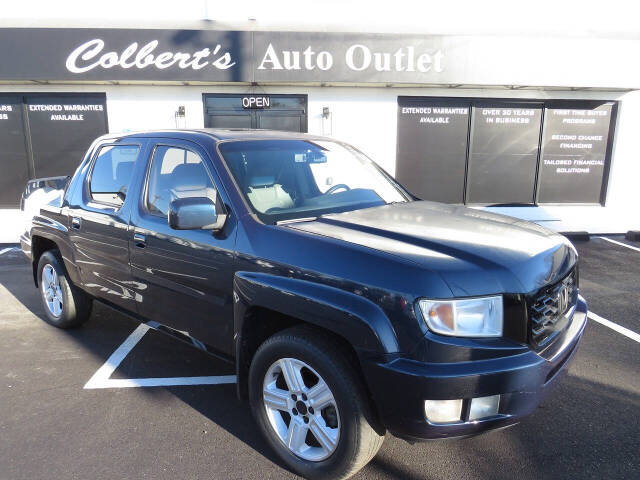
(548, 306)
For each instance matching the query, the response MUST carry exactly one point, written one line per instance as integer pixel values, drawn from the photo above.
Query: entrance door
(274, 112)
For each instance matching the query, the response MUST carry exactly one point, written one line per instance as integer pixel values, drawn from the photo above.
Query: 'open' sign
(256, 102)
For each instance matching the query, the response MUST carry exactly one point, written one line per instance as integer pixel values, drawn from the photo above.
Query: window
(576, 150)
(46, 113)
(176, 173)
(505, 151)
(112, 172)
(60, 126)
(289, 179)
(432, 147)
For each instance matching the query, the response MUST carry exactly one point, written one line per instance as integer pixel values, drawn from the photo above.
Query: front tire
(311, 405)
(64, 305)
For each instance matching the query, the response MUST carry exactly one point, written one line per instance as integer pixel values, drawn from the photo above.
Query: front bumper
(401, 386)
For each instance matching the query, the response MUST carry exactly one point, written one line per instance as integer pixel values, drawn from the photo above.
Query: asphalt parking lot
(51, 427)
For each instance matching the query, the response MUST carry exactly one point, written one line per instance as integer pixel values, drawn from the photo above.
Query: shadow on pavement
(157, 355)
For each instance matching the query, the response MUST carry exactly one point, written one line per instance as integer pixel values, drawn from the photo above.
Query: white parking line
(614, 326)
(620, 243)
(9, 249)
(101, 379)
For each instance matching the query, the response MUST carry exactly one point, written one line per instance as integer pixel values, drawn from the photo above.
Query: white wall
(566, 18)
(367, 118)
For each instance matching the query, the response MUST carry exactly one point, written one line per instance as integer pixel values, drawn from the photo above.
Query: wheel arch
(39, 245)
(42, 241)
(266, 304)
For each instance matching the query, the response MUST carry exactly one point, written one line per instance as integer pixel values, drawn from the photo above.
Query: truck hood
(475, 252)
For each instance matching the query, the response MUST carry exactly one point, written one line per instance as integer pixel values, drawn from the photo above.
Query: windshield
(291, 179)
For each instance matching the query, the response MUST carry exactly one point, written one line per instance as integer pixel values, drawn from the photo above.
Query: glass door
(274, 112)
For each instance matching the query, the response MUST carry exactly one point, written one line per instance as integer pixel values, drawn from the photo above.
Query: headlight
(472, 317)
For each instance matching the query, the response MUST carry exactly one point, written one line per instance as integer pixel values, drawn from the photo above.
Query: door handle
(76, 222)
(139, 240)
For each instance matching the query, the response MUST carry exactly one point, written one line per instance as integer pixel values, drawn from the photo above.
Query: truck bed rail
(50, 183)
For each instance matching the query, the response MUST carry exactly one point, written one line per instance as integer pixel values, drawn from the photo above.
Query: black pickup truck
(348, 306)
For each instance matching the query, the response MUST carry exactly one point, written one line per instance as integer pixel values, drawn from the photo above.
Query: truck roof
(219, 134)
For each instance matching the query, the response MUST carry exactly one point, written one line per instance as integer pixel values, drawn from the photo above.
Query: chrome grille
(548, 306)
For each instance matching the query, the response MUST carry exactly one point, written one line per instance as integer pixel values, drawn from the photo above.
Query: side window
(112, 172)
(176, 173)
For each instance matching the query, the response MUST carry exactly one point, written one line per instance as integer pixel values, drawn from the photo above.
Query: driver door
(185, 276)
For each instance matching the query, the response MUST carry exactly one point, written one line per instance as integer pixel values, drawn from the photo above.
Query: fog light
(443, 411)
(482, 407)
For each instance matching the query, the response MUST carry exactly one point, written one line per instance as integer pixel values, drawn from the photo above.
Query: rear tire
(65, 306)
(333, 442)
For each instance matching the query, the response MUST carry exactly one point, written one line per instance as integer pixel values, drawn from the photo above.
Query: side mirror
(195, 213)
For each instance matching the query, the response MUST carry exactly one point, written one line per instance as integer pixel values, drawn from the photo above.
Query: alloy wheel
(301, 408)
(51, 291)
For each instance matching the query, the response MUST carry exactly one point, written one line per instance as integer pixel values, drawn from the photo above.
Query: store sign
(90, 55)
(357, 58)
(157, 55)
(256, 102)
(220, 56)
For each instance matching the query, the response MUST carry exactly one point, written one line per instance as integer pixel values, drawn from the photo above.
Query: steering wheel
(337, 187)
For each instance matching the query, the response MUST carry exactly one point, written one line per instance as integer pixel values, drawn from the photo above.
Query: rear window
(112, 172)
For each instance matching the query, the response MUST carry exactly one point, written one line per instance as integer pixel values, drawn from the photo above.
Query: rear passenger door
(99, 222)
(186, 276)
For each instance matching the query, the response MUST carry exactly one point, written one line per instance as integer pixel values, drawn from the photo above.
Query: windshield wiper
(296, 220)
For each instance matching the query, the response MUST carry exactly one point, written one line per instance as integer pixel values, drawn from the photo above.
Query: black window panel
(229, 121)
(503, 152)
(286, 102)
(279, 121)
(286, 112)
(62, 128)
(432, 148)
(575, 151)
(215, 103)
(112, 172)
(14, 171)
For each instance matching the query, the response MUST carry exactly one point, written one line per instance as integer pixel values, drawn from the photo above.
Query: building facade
(541, 127)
